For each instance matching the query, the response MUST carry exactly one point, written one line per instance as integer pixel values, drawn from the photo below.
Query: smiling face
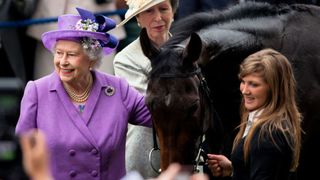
(71, 63)
(255, 91)
(157, 21)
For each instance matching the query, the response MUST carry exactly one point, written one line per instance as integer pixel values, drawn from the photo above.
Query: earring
(172, 20)
(138, 24)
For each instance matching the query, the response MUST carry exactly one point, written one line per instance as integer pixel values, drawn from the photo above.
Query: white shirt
(251, 119)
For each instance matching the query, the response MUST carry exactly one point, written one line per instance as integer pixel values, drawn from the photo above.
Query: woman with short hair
(83, 113)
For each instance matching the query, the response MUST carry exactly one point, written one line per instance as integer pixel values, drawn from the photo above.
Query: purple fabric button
(94, 151)
(72, 152)
(72, 173)
(94, 173)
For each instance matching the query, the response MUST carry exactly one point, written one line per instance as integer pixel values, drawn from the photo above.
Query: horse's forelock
(184, 27)
(167, 61)
(248, 18)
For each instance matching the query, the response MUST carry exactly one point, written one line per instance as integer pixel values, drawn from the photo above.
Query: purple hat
(87, 25)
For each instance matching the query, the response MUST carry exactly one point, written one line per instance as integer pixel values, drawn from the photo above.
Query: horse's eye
(188, 89)
(193, 108)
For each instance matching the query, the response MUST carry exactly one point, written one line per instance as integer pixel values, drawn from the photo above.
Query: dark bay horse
(216, 43)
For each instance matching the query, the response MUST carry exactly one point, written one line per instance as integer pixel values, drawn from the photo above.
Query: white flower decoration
(87, 25)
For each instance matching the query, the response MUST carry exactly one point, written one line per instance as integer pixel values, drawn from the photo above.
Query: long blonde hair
(280, 111)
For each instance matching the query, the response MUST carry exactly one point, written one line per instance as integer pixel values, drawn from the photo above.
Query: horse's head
(177, 97)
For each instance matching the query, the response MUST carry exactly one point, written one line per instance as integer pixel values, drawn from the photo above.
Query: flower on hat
(87, 25)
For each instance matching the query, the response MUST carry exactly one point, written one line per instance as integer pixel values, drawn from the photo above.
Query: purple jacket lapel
(77, 119)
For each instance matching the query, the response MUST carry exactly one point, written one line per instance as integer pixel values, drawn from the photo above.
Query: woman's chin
(65, 78)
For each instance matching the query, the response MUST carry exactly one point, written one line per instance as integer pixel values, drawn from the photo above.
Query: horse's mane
(164, 62)
(236, 27)
(182, 29)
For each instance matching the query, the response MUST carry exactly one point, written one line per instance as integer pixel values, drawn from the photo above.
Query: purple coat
(84, 146)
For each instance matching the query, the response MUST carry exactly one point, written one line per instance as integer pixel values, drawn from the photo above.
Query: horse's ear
(147, 47)
(193, 49)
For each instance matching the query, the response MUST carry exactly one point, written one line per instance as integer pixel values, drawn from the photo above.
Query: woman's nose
(158, 16)
(64, 60)
(244, 89)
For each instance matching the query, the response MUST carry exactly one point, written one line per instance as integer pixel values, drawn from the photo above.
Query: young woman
(267, 145)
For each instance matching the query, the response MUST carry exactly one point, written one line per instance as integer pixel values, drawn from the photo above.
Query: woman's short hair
(93, 50)
(174, 5)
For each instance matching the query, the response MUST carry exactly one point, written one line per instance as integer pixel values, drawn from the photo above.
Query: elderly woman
(83, 113)
(132, 63)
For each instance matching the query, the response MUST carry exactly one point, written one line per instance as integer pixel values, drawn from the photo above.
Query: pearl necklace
(79, 98)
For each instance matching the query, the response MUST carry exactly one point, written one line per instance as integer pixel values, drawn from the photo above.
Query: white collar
(254, 114)
(251, 119)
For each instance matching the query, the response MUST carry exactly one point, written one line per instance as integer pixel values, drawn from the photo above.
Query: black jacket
(265, 162)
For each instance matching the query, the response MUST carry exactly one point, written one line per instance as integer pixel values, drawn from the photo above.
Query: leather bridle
(203, 87)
